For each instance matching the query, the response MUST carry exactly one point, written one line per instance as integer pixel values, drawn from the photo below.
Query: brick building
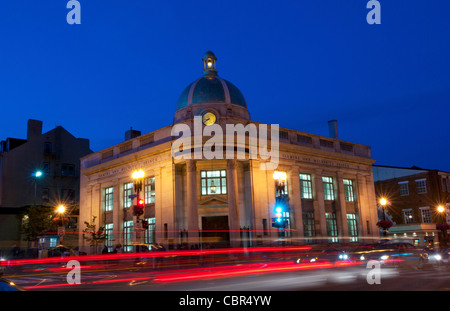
(414, 195)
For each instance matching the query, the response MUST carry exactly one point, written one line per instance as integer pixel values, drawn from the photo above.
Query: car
(438, 258)
(6, 285)
(396, 254)
(328, 254)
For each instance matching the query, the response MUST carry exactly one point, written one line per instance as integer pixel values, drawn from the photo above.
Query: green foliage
(36, 221)
(92, 235)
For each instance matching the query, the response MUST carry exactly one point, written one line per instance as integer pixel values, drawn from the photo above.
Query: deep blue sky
(299, 64)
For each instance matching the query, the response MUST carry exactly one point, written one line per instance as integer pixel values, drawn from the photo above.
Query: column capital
(191, 165)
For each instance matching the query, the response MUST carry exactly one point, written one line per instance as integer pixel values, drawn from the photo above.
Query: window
(67, 170)
(425, 213)
(67, 195)
(109, 237)
(213, 182)
(128, 236)
(348, 190)
(53, 242)
(149, 190)
(46, 168)
(308, 226)
(404, 188)
(127, 192)
(284, 135)
(305, 186)
(331, 227)
(149, 234)
(421, 185)
(47, 147)
(45, 194)
(444, 185)
(108, 196)
(352, 227)
(328, 191)
(408, 216)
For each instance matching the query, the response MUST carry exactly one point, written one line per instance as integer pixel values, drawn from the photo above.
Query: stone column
(296, 204)
(371, 208)
(117, 215)
(233, 212)
(319, 207)
(341, 212)
(191, 202)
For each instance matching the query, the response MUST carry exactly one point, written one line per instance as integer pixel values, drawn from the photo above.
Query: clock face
(209, 118)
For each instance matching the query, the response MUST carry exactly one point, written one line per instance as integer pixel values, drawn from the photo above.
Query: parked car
(6, 285)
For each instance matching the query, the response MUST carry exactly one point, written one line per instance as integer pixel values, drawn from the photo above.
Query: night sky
(298, 63)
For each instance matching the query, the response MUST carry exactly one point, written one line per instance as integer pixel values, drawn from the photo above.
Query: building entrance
(215, 231)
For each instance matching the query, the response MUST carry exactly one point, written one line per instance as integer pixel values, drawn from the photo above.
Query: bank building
(313, 189)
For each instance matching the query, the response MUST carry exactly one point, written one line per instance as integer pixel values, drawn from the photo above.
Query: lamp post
(36, 175)
(443, 227)
(61, 229)
(383, 203)
(138, 209)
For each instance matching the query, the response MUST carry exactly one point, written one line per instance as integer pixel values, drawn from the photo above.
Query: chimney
(130, 134)
(34, 129)
(332, 129)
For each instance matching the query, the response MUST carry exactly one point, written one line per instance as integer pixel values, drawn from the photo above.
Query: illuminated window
(331, 227)
(109, 237)
(149, 234)
(149, 190)
(408, 216)
(128, 236)
(352, 227)
(108, 199)
(127, 192)
(306, 186)
(213, 182)
(348, 190)
(328, 190)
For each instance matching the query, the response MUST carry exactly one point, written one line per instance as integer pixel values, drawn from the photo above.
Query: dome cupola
(211, 91)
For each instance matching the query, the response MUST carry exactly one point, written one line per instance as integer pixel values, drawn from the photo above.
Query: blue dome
(211, 90)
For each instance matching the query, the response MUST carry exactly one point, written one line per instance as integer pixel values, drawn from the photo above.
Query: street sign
(132, 196)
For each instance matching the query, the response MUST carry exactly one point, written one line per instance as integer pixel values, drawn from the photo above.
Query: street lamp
(443, 227)
(280, 178)
(383, 203)
(61, 230)
(138, 176)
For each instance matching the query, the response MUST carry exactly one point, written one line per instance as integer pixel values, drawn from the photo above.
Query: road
(272, 276)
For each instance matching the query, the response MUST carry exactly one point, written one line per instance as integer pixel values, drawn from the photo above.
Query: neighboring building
(414, 195)
(56, 155)
(328, 182)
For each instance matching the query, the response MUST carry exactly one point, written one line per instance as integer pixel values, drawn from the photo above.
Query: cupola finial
(209, 63)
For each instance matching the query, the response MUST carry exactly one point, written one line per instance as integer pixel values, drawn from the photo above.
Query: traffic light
(139, 207)
(145, 224)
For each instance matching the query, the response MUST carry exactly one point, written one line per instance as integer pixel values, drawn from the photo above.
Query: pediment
(213, 200)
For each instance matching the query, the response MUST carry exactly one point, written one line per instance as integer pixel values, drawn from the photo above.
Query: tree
(92, 235)
(36, 221)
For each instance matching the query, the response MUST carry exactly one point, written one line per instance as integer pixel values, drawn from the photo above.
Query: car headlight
(362, 257)
(343, 256)
(384, 257)
(437, 257)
